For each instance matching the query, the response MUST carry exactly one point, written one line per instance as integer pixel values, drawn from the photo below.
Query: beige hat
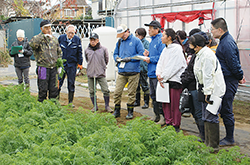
(121, 29)
(20, 33)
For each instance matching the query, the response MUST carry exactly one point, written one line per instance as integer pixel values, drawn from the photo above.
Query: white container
(107, 37)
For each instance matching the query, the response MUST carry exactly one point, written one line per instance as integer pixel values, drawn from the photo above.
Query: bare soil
(241, 108)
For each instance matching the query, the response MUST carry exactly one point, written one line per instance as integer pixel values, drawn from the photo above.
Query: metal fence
(82, 30)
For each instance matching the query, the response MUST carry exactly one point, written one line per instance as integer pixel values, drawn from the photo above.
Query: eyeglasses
(212, 29)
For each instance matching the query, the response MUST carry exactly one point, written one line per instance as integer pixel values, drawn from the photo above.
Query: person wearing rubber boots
(143, 82)
(228, 54)
(208, 74)
(126, 48)
(153, 55)
(46, 51)
(97, 58)
(72, 51)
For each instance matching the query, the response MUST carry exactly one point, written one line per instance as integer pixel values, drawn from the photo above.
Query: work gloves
(126, 59)
(79, 66)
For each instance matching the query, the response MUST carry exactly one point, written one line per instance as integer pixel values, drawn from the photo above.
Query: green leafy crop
(59, 63)
(34, 133)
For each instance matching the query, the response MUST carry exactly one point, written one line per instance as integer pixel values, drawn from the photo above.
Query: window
(69, 13)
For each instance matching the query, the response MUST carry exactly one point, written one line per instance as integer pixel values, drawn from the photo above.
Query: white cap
(20, 33)
(122, 28)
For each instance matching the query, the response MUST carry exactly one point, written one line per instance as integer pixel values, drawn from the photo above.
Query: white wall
(94, 7)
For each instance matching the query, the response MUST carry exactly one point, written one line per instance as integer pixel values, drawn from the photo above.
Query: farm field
(48, 133)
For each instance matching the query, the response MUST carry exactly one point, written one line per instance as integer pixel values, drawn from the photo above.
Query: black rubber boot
(93, 102)
(200, 125)
(214, 135)
(206, 128)
(71, 97)
(117, 110)
(137, 99)
(156, 111)
(130, 111)
(146, 101)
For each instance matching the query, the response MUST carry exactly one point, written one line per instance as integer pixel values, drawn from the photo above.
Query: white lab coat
(171, 63)
(204, 70)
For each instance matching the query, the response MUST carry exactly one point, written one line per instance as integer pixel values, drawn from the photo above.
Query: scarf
(95, 47)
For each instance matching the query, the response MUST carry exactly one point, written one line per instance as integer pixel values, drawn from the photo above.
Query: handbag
(201, 96)
(184, 105)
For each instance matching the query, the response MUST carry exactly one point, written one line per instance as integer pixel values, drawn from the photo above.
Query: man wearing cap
(153, 54)
(127, 47)
(72, 51)
(46, 51)
(97, 58)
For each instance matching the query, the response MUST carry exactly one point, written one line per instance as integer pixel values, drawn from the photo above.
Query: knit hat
(20, 33)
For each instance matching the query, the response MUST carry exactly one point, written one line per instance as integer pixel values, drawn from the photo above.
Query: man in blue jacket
(127, 47)
(153, 54)
(228, 54)
(72, 51)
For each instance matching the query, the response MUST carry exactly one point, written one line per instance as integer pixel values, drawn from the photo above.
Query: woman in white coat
(209, 75)
(169, 68)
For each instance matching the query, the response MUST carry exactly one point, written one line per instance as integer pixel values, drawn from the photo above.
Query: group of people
(209, 71)
(195, 62)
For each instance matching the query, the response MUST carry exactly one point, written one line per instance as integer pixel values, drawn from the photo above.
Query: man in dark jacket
(228, 54)
(22, 59)
(72, 51)
(46, 51)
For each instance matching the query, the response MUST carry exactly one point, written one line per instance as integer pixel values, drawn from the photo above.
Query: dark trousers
(227, 107)
(22, 73)
(196, 106)
(208, 116)
(71, 75)
(47, 81)
(153, 85)
(143, 82)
